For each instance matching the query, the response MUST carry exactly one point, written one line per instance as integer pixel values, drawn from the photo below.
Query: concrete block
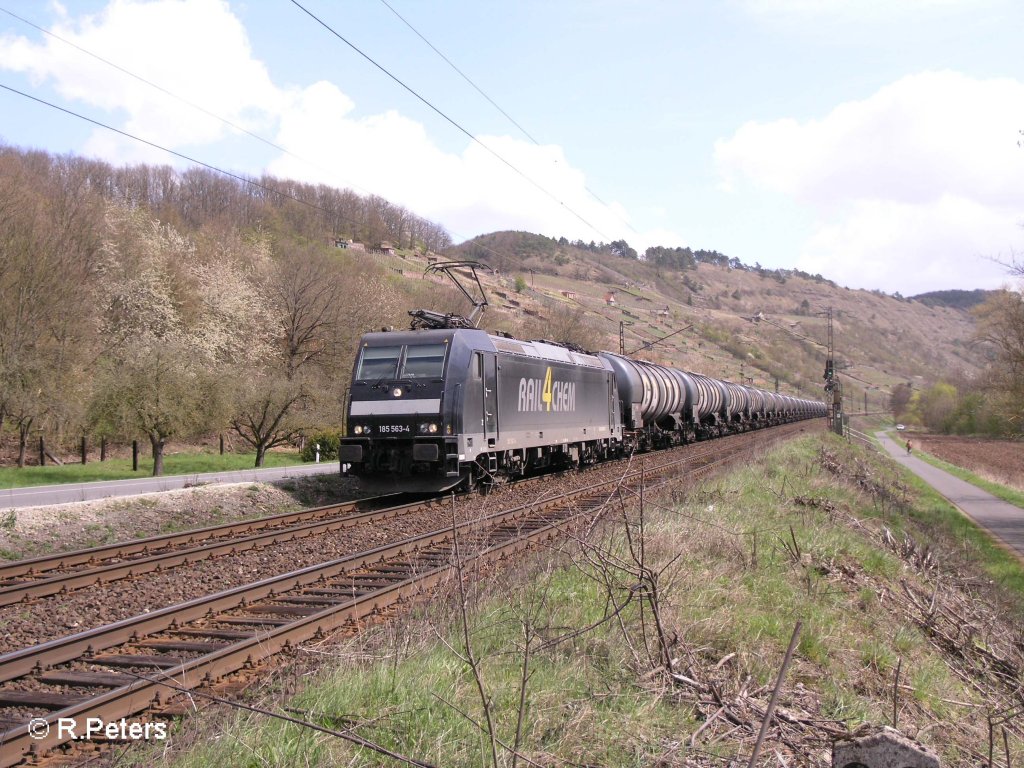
(886, 748)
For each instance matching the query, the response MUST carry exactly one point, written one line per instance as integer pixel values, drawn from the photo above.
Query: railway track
(142, 663)
(55, 574)
(64, 572)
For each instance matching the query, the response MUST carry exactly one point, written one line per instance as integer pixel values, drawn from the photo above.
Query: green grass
(121, 469)
(994, 558)
(733, 588)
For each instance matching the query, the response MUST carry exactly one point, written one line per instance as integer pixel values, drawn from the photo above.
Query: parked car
(900, 427)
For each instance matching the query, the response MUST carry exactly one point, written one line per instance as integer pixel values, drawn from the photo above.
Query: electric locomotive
(429, 409)
(447, 404)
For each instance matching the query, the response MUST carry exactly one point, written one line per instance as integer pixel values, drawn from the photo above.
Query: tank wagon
(432, 409)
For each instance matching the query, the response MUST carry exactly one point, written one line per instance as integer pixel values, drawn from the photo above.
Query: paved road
(1003, 519)
(61, 494)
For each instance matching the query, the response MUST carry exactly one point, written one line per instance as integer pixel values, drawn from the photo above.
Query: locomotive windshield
(423, 361)
(378, 363)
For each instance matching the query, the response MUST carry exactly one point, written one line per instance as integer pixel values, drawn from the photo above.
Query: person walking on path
(910, 447)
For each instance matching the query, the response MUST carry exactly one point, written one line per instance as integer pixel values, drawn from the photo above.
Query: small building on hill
(569, 294)
(350, 245)
(609, 298)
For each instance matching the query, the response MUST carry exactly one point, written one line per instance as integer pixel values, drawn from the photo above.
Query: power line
(440, 113)
(243, 179)
(493, 103)
(165, 91)
(461, 73)
(229, 174)
(151, 84)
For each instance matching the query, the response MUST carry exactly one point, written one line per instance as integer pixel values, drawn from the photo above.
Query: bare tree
(266, 413)
(47, 260)
(1001, 324)
(308, 290)
(564, 323)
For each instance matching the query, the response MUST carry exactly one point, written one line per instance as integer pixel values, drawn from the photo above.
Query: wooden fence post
(83, 449)
(135, 455)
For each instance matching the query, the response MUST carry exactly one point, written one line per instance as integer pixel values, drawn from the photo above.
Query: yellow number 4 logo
(545, 394)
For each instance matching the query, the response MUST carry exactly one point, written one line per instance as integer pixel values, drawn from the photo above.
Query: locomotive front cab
(396, 427)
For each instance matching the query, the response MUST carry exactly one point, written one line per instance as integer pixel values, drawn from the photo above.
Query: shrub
(328, 440)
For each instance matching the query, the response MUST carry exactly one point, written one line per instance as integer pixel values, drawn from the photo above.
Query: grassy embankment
(121, 469)
(884, 576)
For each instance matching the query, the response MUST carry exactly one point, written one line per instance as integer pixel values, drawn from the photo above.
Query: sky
(876, 142)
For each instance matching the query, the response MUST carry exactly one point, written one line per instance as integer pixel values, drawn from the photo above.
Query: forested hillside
(956, 298)
(147, 303)
(142, 302)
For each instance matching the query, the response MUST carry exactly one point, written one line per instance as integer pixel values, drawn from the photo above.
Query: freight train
(433, 409)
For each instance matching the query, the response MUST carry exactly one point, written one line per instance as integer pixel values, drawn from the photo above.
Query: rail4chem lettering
(546, 394)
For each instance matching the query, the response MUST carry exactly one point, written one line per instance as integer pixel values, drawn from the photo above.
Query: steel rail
(219, 541)
(66, 582)
(91, 555)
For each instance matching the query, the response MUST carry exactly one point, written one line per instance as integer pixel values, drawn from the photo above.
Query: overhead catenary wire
(455, 124)
(150, 83)
(189, 158)
(192, 105)
(462, 74)
(493, 103)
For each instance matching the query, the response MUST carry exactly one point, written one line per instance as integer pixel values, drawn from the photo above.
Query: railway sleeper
(281, 610)
(225, 634)
(182, 645)
(92, 679)
(138, 660)
(39, 699)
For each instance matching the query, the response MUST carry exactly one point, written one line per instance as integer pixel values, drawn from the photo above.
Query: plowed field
(999, 460)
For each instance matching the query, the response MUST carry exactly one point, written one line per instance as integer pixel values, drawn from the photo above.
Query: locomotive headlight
(357, 429)
(426, 428)
(397, 392)
(432, 429)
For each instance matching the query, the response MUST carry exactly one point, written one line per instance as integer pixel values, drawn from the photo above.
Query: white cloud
(194, 48)
(911, 183)
(199, 48)
(912, 248)
(853, 11)
(498, 183)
